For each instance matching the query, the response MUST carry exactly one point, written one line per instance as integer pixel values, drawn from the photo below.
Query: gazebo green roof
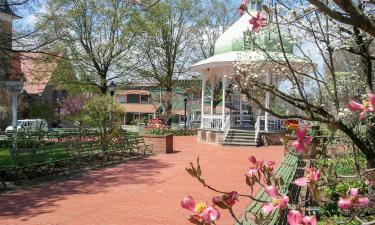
(238, 38)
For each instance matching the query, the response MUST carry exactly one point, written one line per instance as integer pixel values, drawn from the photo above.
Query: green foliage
(101, 113)
(43, 111)
(64, 77)
(335, 220)
(97, 36)
(343, 187)
(174, 132)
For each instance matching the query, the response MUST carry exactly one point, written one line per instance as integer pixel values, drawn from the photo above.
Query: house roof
(138, 108)
(37, 71)
(134, 92)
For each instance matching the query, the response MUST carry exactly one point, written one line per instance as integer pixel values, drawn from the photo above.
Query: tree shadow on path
(25, 204)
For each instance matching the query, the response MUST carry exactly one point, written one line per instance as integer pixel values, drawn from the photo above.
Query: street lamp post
(185, 104)
(112, 89)
(58, 101)
(14, 87)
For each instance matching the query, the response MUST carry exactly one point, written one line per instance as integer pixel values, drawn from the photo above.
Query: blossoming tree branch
(342, 100)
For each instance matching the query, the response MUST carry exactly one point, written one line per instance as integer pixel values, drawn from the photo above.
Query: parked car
(29, 125)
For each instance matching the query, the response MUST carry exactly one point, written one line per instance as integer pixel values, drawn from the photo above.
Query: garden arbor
(236, 50)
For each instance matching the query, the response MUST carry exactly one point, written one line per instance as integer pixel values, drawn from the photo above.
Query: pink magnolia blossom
(302, 140)
(208, 214)
(243, 7)
(226, 200)
(253, 171)
(296, 217)
(258, 21)
(352, 201)
(312, 176)
(260, 165)
(368, 105)
(277, 202)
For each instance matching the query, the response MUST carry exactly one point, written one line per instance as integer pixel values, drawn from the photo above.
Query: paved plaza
(146, 192)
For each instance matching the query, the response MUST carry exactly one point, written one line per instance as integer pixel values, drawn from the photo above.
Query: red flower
(312, 176)
(204, 213)
(243, 7)
(367, 105)
(302, 140)
(295, 217)
(352, 201)
(278, 202)
(258, 21)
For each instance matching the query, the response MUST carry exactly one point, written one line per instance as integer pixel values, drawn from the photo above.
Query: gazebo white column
(240, 108)
(212, 95)
(203, 91)
(267, 103)
(224, 80)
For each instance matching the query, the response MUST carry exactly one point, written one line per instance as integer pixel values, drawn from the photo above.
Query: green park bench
(288, 169)
(60, 158)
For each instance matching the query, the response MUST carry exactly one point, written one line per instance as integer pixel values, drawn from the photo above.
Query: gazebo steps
(240, 144)
(237, 137)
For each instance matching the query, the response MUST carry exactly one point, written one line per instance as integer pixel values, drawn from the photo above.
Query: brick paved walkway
(146, 192)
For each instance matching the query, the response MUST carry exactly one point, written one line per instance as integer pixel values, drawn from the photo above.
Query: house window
(133, 98)
(144, 99)
(122, 98)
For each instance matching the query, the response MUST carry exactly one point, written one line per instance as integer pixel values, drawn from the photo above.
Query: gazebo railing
(212, 122)
(246, 121)
(226, 127)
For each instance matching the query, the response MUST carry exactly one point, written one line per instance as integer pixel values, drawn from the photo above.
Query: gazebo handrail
(226, 127)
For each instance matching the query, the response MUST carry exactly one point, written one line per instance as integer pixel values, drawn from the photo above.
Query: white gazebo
(234, 46)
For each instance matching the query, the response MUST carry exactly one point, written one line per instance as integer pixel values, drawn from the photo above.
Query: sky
(28, 13)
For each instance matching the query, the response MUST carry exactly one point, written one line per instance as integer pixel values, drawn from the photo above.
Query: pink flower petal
(267, 208)
(253, 160)
(255, 28)
(271, 191)
(315, 176)
(294, 217)
(242, 7)
(354, 106)
(210, 214)
(344, 203)
(299, 146)
(309, 220)
(284, 202)
(270, 163)
(362, 115)
(301, 133)
(363, 201)
(253, 171)
(303, 181)
(372, 99)
(188, 203)
(353, 192)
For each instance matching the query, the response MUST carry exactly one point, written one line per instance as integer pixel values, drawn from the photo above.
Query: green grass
(5, 158)
(43, 154)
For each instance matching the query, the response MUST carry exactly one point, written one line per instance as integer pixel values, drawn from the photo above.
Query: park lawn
(5, 158)
(44, 154)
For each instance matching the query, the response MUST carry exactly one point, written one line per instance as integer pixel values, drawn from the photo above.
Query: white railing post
(226, 128)
(202, 103)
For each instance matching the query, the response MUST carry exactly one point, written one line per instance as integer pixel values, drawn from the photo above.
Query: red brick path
(146, 192)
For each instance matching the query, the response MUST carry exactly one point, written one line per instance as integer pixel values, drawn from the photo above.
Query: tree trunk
(364, 144)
